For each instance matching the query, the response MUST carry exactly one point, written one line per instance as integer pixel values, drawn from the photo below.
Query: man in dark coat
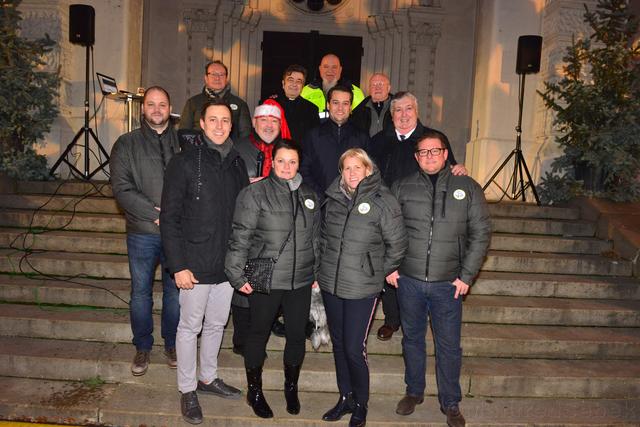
(198, 200)
(323, 145)
(301, 115)
(138, 160)
(216, 86)
(374, 113)
(449, 230)
(393, 151)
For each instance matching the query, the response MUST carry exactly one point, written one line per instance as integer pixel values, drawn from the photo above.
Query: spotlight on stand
(527, 62)
(82, 31)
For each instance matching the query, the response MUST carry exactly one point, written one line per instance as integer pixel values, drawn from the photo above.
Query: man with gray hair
(374, 113)
(393, 151)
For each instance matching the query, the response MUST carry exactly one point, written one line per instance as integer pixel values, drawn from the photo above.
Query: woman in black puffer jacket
(269, 212)
(362, 241)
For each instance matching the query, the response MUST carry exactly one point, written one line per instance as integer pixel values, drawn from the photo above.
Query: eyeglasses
(434, 152)
(217, 75)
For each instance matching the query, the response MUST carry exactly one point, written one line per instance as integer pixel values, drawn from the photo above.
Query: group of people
(343, 192)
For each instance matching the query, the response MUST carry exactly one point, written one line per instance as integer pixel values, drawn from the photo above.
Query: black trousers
(264, 309)
(349, 322)
(390, 306)
(241, 320)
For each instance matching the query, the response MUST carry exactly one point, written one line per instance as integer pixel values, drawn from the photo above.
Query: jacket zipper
(344, 227)
(293, 213)
(433, 208)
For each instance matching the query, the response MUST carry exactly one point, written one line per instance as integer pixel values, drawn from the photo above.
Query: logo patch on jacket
(364, 208)
(459, 194)
(233, 106)
(309, 204)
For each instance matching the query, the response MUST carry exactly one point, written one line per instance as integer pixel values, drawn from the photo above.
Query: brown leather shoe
(454, 417)
(407, 404)
(386, 332)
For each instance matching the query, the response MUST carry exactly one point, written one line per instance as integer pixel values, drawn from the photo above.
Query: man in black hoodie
(198, 200)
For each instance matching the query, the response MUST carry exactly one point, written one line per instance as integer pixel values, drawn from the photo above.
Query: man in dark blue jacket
(323, 145)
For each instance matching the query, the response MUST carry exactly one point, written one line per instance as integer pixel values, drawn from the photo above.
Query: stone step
(63, 241)
(116, 265)
(46, 202)
(93, 242)
(530, 210)
(482, 340)
(476, 309)
(531, 262)
(553, 227)
(556, 285)
(111, 404)
(111, 223)
(66, 188)
(79, 360)
(550, 244)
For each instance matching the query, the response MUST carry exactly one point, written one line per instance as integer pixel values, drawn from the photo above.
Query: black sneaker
(140, 363)
(190, 407)
(218, 388)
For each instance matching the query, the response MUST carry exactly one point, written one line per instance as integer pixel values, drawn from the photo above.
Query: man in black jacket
(393, 150)
(138, 160)
(301, 115)
(216, 86)
(374, 113)
(323, 145)
(198, 200)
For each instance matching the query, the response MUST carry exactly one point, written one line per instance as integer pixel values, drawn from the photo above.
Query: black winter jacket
(448, 235)
(322, 148)
(396, 159)
(361, 240)
(198, 200)
(240, 115)
(137, 162)
(363, 114)
(265, 213)
(301, 115)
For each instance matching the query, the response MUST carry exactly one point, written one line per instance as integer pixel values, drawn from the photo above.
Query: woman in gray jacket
(362, 240)
(278, 210)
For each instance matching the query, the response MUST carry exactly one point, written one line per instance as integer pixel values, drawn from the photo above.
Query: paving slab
(552, 244)
(79, 360)
(531, 210)
(67, 188)
(159, 406)
(99, 222)
(555, 227)
(63, 241)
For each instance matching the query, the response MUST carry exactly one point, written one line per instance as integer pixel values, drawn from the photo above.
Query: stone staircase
(551, 333)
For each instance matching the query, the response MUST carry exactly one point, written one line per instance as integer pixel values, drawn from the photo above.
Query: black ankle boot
(345, 405)
(291, 374)
(255, 397)
(358, 416)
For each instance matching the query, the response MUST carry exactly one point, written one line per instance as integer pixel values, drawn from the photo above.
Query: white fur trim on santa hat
(266, 110)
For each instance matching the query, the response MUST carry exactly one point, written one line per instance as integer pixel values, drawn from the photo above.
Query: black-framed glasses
(435, 152)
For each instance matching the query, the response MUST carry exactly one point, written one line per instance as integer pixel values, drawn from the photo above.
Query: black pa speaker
(82, 20)
(529, 51)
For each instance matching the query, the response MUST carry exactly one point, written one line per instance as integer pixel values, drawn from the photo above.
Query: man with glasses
(393, 151)
(301, 115)
(449, 229)
(216, 86)
(373, 114)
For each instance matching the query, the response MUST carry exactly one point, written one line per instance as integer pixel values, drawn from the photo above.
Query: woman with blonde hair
(362, 241)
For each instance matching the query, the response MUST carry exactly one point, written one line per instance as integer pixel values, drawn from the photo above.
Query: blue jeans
(417, 300)
(349, 322)
(145, 252)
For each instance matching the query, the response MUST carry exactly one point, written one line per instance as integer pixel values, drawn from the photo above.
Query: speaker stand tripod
(87, 132)
(517, 181)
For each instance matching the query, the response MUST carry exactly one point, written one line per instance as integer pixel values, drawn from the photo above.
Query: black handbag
(259, 271)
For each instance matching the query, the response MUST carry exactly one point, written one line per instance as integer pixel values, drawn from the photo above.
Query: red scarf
(267, 149)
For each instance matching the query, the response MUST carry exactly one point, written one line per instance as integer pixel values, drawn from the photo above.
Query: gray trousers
(206, 308)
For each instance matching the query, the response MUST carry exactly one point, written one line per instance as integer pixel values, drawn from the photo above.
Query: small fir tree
(597, 108)
(27, 96)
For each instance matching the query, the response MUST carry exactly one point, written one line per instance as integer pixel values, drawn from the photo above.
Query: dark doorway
(281, 49)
